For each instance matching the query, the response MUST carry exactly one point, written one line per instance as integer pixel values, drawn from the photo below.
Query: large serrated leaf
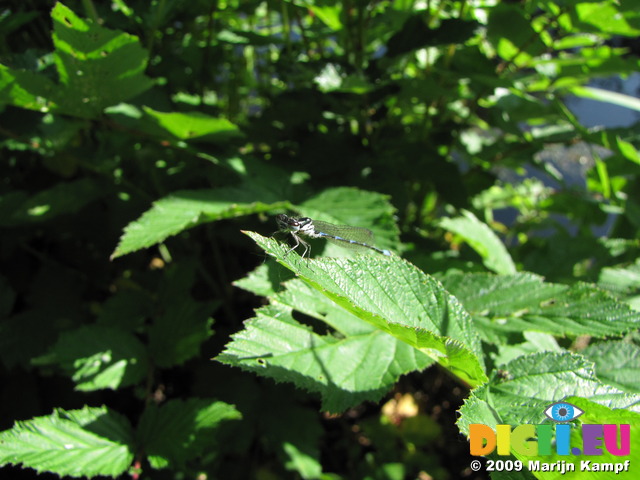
(623, 281)
(395, 298)
(516, 303)
(78, 443)
(345, 371)
(617, 363)
(526, 385)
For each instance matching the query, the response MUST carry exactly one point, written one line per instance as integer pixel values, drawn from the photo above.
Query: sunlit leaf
(483, 240)
(524, 301)
(96, 67)
(78, 443)
(97, 357)
(398, 304)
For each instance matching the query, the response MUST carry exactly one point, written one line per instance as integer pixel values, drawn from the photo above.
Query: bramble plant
(152, 322)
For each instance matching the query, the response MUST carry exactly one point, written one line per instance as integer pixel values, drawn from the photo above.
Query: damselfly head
(287, 223)
(282, 221)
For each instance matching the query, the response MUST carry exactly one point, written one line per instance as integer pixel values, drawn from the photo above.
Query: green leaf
(606, 17)
(623, 281)
(262, 280)
(576, 40)
(96, 67)
(388, 294)
(628, 150)
(516, 303)
(194, 126)
(534, 342)
(483, 240)
(512, 32)
(78, 443)
(345, 372)
(248, 37)
(528, 384)
(302, 297)
(526, 196)
(302, 461)
(97, 357)
(26, 89)
(17, 19)
(328, 14)
(617, 363)
(333, 79)
(186, 209)
(180, 430)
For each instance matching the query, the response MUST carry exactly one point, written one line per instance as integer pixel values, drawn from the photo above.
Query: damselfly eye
(563, 412)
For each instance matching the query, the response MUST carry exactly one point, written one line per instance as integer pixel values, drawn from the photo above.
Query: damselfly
(343, 235)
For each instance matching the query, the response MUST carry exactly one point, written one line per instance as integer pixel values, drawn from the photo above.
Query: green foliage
(616, 362)
(524, 302)
(179, 431)
(98, 441)
(483, 240)
(91, 441)
(96, 68)
(408, 328)
(97, 357)
(139, 139)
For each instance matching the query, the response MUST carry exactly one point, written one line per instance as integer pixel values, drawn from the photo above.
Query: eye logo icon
(562, 412)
